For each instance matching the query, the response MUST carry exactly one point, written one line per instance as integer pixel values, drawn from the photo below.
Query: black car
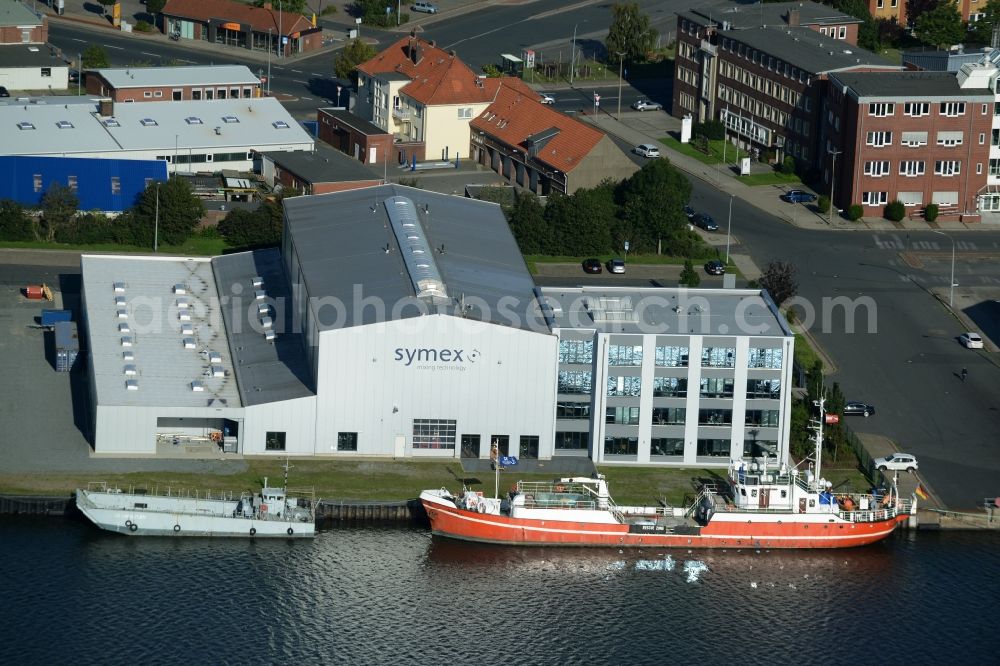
(704, 221)
(592, 265)
(689, 212)
(715, 267)
(858, 409)
(3, 92)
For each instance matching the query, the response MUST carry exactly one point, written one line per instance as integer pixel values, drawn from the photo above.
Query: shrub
(895, 210)
(689, 276)
(329, 9)
(823, 204)
(712, 130)
(855, 212)
(700, 142)
(788, 165)
(931, 212)
(142, 26)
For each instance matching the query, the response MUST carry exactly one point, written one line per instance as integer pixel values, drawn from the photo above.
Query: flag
(921, 493)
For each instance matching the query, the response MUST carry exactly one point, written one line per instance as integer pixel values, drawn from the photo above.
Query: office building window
(670, 387)
(874, 198)
(767, 418)
(630, 355)
(528, 448)
(621, 446)
(274, 441)
(716, 387)
(672, 357)
(574, 382)
(716, 448)
(947, 168)
(624, 386)
(669, 415)
(622, 415)
(878, 139)
(952, 109)
(572, 441)
(576, 351)
(573, 410)
(715, 417)
(877, 168)
(763, 388)
(666, 446)
(911, 168)
(881, 110)
(718, 357)
(765, 358)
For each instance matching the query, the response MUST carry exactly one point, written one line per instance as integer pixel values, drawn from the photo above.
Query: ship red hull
(776, 531)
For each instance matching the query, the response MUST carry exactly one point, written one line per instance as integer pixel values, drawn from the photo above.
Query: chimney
(106, 108)
(452, 53)
(416, 53)
(794, 18)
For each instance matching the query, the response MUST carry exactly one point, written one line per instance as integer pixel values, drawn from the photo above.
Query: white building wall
(132, 429)
(296, 418)
(30, 78)
(502, 386)
(446, 132)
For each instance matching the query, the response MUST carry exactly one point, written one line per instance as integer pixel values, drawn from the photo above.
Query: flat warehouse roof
(143, 329)
(730, 312)
(195, 75)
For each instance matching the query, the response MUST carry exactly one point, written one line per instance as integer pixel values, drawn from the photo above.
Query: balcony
(401, 113)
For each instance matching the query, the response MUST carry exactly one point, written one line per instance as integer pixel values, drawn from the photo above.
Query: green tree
(941, 26)
(492, 71)
(155, 6)
(868, 33)
(95, 57)
(15, 223)
(689, 276)
(779, 281)
(250, 229)
(652, 204)
(580, 223)
(180, 211)
(630, 33)
(373, 13)
(917, 8)
(59, 205)
(349, 57)
(982, 30)
(526, 217)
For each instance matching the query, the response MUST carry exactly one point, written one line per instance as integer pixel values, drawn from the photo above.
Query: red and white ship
(762, 504)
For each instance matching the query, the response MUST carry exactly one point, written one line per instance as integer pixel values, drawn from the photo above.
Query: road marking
(298, 81)
(116, 48)
(965, 245)
(74, 39)
(314, 74)
(308, 99)
(154, 55)
(297, 71)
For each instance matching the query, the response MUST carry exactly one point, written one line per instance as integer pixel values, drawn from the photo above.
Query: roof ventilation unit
(180, 289)
(184, 315)
(218, 371)
(130, 370)
(132, 384)
(263, 308)
(188, 343)
(187, 329)
(266, 322)
(126, 341)
(124, 328)
(214, 357)
(119, 287)
(183, 303)
(122, 313)
(257, 282)
(197, 386)
(259, 294)
(128, 356)
(120, 301)
(269, 334)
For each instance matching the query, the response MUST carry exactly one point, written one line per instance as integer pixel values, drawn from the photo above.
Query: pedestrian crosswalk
(897, 242)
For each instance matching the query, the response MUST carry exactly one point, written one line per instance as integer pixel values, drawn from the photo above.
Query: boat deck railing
(214, 496)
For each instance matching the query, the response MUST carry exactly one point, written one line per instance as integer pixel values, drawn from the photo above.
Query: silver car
(425, 7)
(646, 150)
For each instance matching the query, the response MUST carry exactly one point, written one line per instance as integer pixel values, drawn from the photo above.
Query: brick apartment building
(20, 25)
(763, 72)
(919, 137)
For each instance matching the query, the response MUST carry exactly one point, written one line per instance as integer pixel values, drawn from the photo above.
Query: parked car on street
(715, 267)
(3, 92)
(704, 221)
(897, 462)
(616, 266)
(646, 150)
(853, 407)
(646, 105)
(971, 340)
(689, 212)
(798, 196)
(592, 265)
(547, 99)
(425, 7)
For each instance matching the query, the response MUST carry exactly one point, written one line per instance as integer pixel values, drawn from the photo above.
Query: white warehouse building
(403, 323)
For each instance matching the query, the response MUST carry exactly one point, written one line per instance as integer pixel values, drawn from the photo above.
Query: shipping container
(34, 291)
(52, 317)
(67, 345)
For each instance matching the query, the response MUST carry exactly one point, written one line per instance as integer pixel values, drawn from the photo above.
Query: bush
(895, 211)
(689, 276)
(931, 212)
(329, 9)
(700, 142)
(823, 204)
(142, 26)
(855, 212)
(713, 130)
(788, 165)
(15, 222)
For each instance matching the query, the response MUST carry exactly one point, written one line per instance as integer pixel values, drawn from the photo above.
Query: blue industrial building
(109, 185)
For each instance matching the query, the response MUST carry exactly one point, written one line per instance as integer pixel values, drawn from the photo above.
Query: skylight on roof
(111, 122)
(193, 120)
(280, 124)
(230, 119)
(25, 125)
(64, 124)
(148, 122)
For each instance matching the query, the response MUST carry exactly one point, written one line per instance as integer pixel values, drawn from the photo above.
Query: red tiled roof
(259, 18)
(517, 114)
(437, 77)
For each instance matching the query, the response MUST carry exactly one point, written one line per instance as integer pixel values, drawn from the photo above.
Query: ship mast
(818, 437)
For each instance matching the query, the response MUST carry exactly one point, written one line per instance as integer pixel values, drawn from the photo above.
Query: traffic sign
(832, 419)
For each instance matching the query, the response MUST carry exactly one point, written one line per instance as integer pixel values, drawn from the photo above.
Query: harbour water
(75, 595)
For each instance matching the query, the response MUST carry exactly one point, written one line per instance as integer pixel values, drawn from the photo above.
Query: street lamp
(269, 49)
(156, 219)
(729, 227)
(951, 285)
(833, 175)
(621, 61)
(281, 40)
(79, 73)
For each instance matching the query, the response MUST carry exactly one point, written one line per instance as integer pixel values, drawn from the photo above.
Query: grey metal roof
(29, 55)
(807, 49)
(193, 75)
(677, 311)
(164, 367)
(357, 122)
(168, 127)
(947, 61)
(324, 165)
(15, 14)
(741, 15)
(266, 370)
(344, 240)
(930, 85)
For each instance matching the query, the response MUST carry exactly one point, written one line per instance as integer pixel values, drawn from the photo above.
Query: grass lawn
(375, 480)
(715, 149)
(196, 245)
(770, 178)
(804, 354)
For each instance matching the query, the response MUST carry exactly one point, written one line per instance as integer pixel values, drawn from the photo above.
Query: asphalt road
(901, 354)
